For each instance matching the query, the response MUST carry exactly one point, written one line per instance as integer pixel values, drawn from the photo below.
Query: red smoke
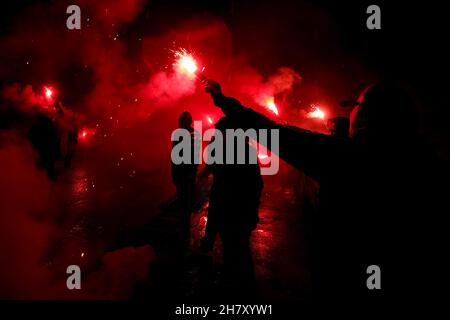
(25, 198)
(23, 97)
(263, 90)
(130, 99)
(27, 206)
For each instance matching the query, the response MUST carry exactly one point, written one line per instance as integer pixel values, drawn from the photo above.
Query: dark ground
(102, 217)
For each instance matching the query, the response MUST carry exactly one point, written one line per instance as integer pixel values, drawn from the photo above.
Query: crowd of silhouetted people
(378, 194)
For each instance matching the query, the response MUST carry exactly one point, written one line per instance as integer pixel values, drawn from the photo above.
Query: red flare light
(85, 133)
(316, 113)
(185, 63)
(270, 104)
(49, 93)
(210, 120)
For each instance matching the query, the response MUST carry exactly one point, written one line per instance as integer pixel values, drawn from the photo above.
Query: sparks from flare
(185, 63)
(210, 120)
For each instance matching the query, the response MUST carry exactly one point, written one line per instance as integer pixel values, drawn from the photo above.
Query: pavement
(98, 217)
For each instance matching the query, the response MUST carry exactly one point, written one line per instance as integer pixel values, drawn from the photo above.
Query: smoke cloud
(120, 83)
(25, 195)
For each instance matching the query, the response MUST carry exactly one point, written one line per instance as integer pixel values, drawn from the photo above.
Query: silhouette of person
(184, 178)
(233, 212)
(371, 187)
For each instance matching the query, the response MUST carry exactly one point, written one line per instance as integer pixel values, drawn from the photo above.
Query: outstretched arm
(310, 152)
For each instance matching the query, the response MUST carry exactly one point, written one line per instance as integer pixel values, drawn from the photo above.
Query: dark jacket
(236, 189)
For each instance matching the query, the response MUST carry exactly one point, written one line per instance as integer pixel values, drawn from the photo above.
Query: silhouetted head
(185, 120)
(384, 113)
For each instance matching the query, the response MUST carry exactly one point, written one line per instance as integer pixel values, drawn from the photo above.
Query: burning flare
(49, 93)
(270, 104)
(316, 113)
(85, 133)
(185, 63)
